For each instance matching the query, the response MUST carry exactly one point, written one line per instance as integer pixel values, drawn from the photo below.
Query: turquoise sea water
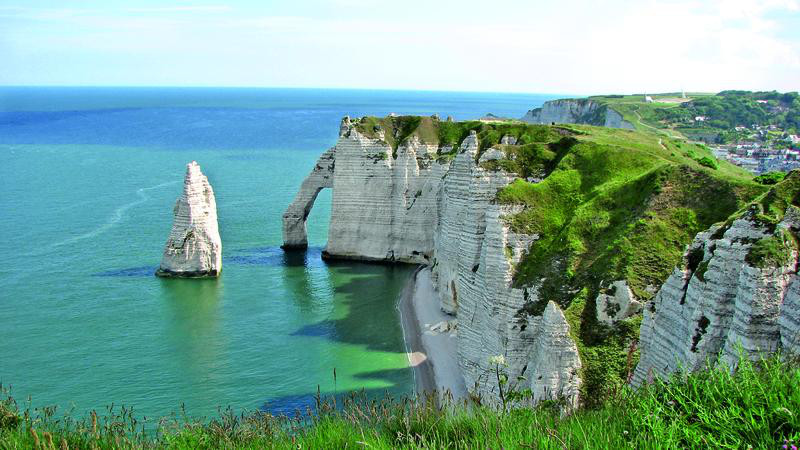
(88, 178)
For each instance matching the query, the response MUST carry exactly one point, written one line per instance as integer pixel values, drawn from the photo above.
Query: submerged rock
(193, 248)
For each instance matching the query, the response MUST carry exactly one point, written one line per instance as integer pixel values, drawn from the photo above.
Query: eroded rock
(193, 248)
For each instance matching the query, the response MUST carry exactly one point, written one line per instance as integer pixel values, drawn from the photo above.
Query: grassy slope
(447, 136)
(643, 115)
(757, 406)
(615, 205)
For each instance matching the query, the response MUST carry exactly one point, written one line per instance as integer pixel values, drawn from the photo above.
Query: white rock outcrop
(294, 219)
(616, 303)
(554, 373)
(577, 111)
(719, 304)
(407, 205)
(194, 248)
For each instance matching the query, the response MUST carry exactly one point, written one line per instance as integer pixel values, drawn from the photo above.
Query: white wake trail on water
(116, 218)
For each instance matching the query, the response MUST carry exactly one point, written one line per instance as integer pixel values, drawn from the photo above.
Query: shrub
(708, 162)
(770, 178)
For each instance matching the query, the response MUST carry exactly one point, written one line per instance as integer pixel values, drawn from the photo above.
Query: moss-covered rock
(772, 251)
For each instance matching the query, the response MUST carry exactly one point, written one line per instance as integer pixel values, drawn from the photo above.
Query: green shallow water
(88, 324)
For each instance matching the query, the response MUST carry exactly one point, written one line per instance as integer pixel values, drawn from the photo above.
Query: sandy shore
(431, 353)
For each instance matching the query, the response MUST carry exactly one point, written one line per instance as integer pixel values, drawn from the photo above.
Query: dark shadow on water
(369, 292)
(395, 376)
(289, 405)
(144, 271)
(276, 256)
(257, 256)
(325, 329)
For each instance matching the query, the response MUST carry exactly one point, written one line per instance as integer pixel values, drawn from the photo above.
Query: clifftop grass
(755, 406)
(447, 136)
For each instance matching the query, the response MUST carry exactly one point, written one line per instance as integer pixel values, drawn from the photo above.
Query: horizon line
(151, 86)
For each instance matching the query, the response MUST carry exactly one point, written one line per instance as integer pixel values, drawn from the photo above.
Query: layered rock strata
(555, 358)
(384, 203)
(294, 219)
(408, 204)
(723, 302)
(582, 111)
(193, 248)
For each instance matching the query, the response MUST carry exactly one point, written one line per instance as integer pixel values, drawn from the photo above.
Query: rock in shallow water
(193, 248)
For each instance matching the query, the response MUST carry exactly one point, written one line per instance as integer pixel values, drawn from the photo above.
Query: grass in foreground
(757, 406)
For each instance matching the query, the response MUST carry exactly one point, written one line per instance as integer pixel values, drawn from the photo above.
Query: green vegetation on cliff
(447, 136)
(756, 407)
(615, 205)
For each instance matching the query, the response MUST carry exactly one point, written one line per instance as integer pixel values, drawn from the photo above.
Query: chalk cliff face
(385, 201)
(408, 204)
(193, 248)
(732, 294)
(294, 219)
(577, 111)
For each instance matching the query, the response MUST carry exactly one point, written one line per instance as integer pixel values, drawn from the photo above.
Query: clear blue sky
(566, 46)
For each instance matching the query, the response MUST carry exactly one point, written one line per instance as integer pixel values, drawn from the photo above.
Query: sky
(557, 47)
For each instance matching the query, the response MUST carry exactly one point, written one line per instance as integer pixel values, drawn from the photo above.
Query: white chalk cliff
(193, 248)
(577, 111)
(406, 204)
(718, 303)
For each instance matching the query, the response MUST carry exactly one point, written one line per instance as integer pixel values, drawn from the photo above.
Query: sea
(88, 180)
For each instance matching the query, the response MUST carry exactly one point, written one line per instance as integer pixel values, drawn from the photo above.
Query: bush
(9, 416)
(771, 251)
(770, 178)
(708, 162)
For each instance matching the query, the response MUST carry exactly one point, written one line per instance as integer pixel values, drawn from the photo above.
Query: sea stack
(194, 248)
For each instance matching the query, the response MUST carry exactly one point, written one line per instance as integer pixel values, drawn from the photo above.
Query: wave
(116, 217)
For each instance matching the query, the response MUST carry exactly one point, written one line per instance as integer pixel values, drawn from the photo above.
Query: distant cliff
(544, 241)
(581, 111)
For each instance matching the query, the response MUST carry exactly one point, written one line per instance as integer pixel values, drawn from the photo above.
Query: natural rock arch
(294, 219)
